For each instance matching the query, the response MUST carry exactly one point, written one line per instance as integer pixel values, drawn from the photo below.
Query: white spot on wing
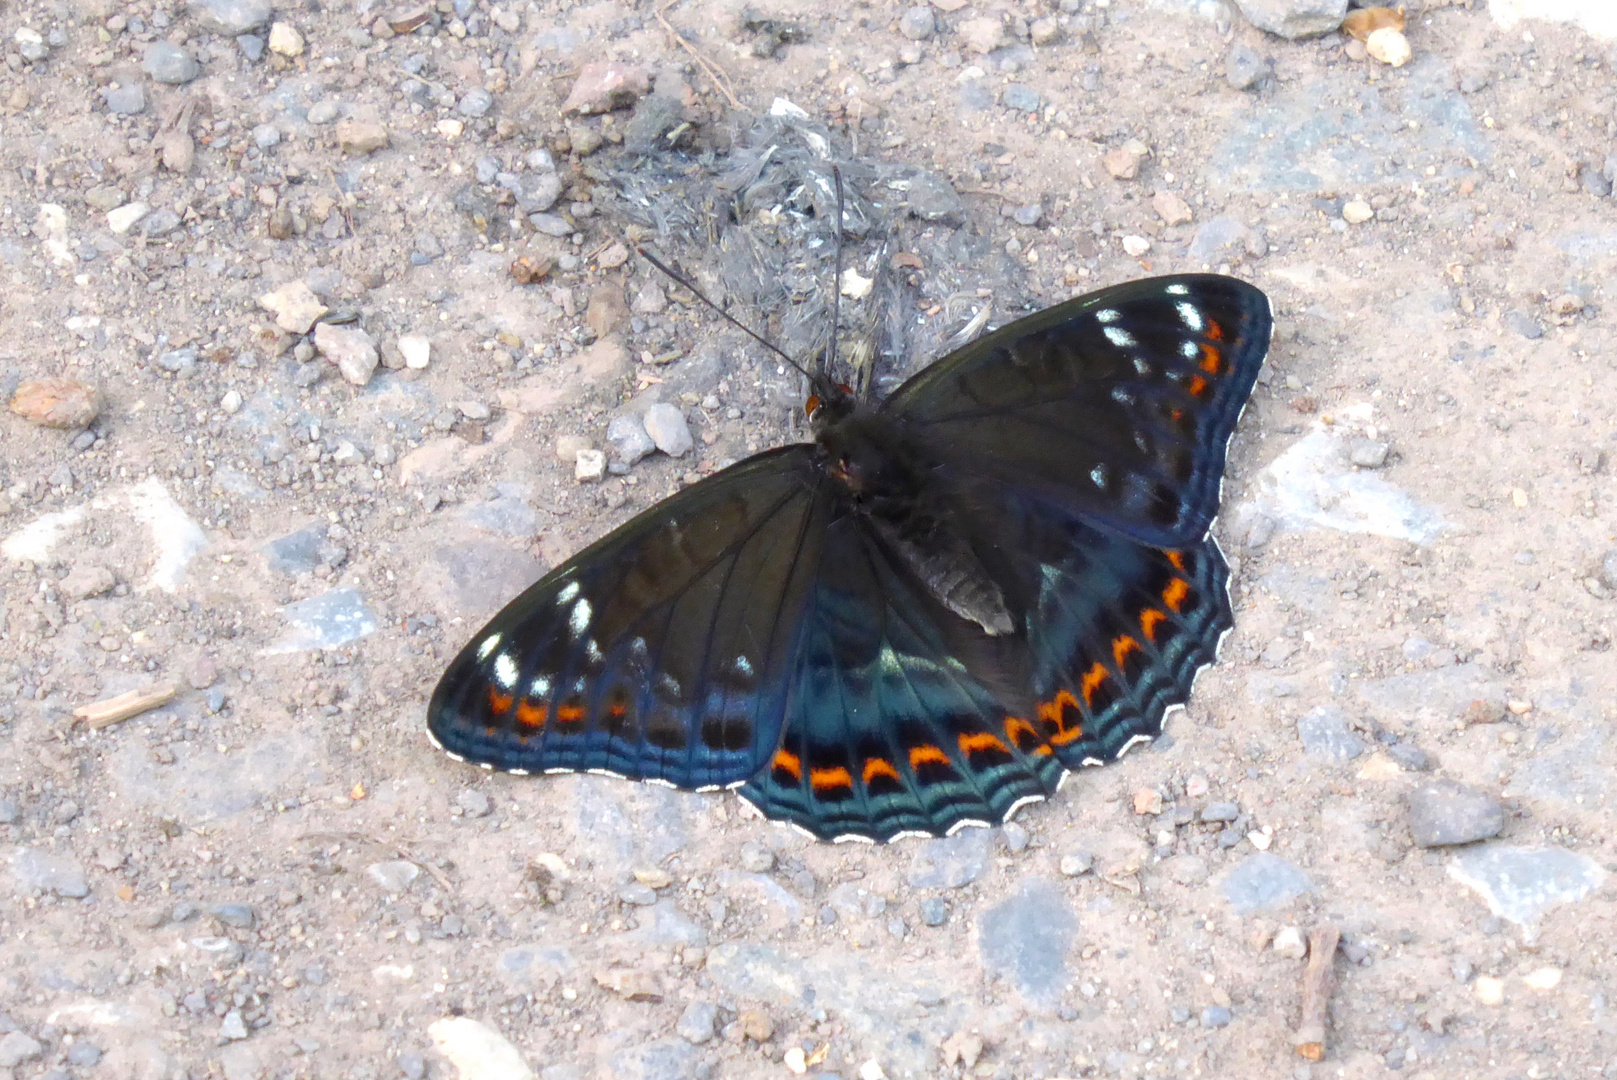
(913, 834)
(488, 645)
(1025, 800)
(1141, 367)
(657, 781)
(1189, 350)
(539, 687)
(1177, 290)
(1097, 476)
(579, 620)
(1190, 315)
(1107, 315)
(505, 671)
(852, 838)
(966, 823)
(1119, 337)
(608, 772)
(1134, 740)
(568, 592)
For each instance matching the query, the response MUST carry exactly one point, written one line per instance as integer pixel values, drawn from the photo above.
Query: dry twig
(1319, 979)
(708, 66)
(114, 710)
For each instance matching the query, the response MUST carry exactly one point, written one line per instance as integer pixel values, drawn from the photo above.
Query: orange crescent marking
(785, 759)
(978, 742)
(1178, 560)
(1215, 331)
(1175, 594)
(876, 766)
(531, 715)
(1150, 619)
(499, 702)
(1212, 359)
(927, 754)
(1198, 387)
(1092, 680)
(830, 779)
(1122, 645)
(1014, 725)
(570, 714)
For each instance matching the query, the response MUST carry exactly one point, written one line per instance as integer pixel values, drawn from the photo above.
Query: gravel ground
(314, 431)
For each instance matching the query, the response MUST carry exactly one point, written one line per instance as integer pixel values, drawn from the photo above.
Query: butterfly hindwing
(1117, 405)
(887, 731)
(661, 652)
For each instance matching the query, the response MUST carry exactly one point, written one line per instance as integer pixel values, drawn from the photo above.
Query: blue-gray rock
(412, 1064)
(1244, 66)
(1445, 812)
(666, 425)
(40, 871)
(1025, 939)
(539, 193)
(83, 1054)
(1410, 757)
(125, 99)
(1263, 882)
(9, 811)
(665, 1059)
(485, 168)
(550, 224)
(934, 911)
(297, 552)
(394, 875)
(475, 103)
(1220, 811)
(950, 862)
(178, 361)
(238, 915)
(917, 23)
(1524, 324)
(696, 1022)
(1215, 1016)
(931, 197)
(508, 515)
(251, 46)
(1028, 215)
(1325, 735)
(266, 136)
(1294, 18)
(1021, 97)
(231, 17)
(1225, 238)
(170, 64)
(233, 1027)
(626, 434)
(17, 1048)
(326, 621)
(974, 96)
(159, 222)
(1521, 884)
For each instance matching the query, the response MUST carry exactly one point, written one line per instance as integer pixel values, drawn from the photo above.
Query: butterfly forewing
(660, 652)
(1116, 405)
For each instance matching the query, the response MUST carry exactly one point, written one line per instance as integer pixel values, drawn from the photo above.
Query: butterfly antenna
(725, 315)
(836, 281)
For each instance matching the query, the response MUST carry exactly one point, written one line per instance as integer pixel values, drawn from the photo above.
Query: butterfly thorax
(889, 476)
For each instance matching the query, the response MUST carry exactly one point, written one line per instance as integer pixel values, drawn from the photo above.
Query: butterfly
(924, 618)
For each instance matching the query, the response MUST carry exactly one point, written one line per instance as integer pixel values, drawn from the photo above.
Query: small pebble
(756, 859)
(1215, 1016)
(918, 23)
(416, 350)
(1368, 453)
(1289, 943)
(1357, 212)
(589, 466)
(666, 425)
(169, 64)
(323, 112)
(1136, 245)
(285, 39)
(1077, 864)
(934, 911)
(1489, 990)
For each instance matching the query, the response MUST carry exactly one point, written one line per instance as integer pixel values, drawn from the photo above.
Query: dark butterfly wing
(662, 652)
(1116, 405)
(904, 719)
(889, 730)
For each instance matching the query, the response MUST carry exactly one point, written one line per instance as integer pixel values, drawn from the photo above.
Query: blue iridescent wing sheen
(904, 719)
(1117, 405)
(662, 652)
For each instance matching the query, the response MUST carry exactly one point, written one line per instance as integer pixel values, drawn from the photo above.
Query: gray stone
(251, 46)
(178, 361)
(83, 1054)
(1224, 238)
(1215, 1016)
(475, 103)
(1521, 884)
(1025, 939)
(551, 224)
(238, 915)
(266, 136)
(232, 17)
(1294, 18)
(917, 23)
(1325, 735)
(665, 1059)
(637, 894)
(326, 621)
(756, 859)
(1187, 870)
(931, 197)
(1263, 882)
(17, 1048)
(627, 436)
(1021, 97)
(1368, 453)
(1220, 811)
(394, 875)
(1524, 324)
(950, 862)
(412, 1064)
(508, 515)
(36, 870)
(539, 193)
(233, 1027)
(975, 97)
(934, 911)
(668, 430)
(323, 112)
(696, 1022)
(170, 64)
(1410, 757)
(10, 813)
(125, 99)
(298, 552)
(159, 222)
(474, 803)
(1446, 812)
(1244, 67)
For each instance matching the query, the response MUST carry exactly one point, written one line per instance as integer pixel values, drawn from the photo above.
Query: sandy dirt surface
(297, 524)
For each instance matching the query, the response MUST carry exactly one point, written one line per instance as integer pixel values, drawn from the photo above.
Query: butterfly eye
(812, 405)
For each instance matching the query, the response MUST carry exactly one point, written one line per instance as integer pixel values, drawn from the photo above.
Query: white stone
(589, 466)
(231, 402)
(478, 1051)
(1489, 990)
(294, 305)
(1357, 212)
(1136, 245)
(1289, 943)
(350, 348)
(416, 350)
(1389, 46)
(871, 1070)
(126, 217)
